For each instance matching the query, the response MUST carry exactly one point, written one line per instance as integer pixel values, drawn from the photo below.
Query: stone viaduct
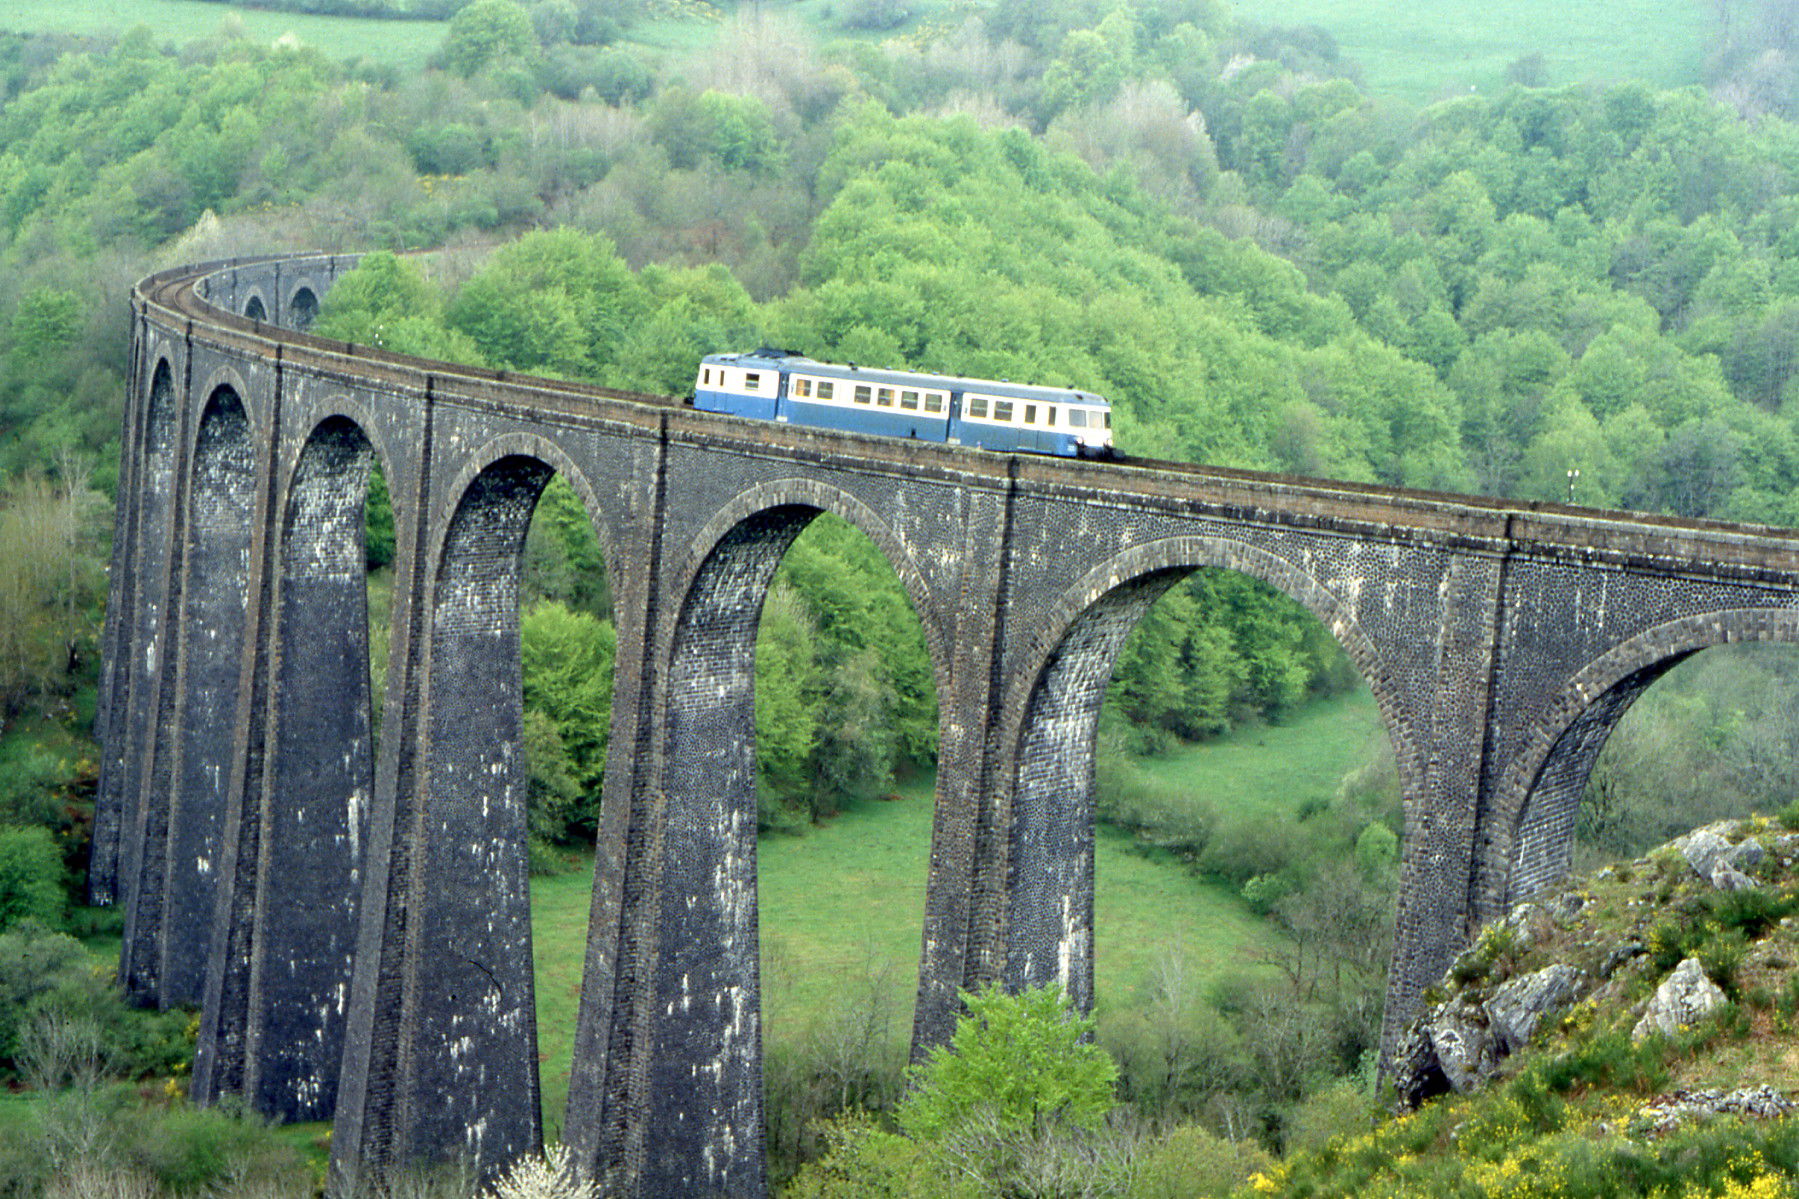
(354, 923)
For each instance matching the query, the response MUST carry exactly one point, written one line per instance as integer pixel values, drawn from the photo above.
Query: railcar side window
(933, 401)
(1049, 416)
(1030, 414)
(977, 406)
(706, 375)
(884, 397)
(1002, 410)
(909, 399)
(863, 393)
(825, 389)
(802, 387)
(752, 381)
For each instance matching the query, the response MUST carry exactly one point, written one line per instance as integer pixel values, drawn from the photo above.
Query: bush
(1191, 1160)
(1028, 1058)
(34, 962)
(863, 1160)
(222, 1150)
(1339, 1110)
(31, 877)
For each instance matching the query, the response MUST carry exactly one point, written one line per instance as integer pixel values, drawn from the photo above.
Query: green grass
(559, 942)
(1267, 769)
(844, 903)
(1427, 51)
(403, 43)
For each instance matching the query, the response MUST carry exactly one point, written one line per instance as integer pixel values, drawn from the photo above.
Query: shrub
(546, 1177)
(1339, 1110)
(31, 877)
(34, 962)
(862, 1160)
(1028, 1057)
(189, 1150)
(1789, 816)
(1191, 1160)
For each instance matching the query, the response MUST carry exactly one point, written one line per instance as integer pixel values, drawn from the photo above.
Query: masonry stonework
(352, 910)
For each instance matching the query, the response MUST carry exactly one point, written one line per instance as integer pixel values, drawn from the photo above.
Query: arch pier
(351, 910)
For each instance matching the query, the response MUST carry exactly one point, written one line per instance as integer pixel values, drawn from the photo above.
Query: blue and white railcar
(771, 384)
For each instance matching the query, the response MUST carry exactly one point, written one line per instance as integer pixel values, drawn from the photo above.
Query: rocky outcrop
(1458, 1046)
(1671, 1111)
(1598, 952)
(1520, 1005)
(1716, 859)
(1685, 997)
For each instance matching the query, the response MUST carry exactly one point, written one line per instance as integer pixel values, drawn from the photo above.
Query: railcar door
(783, 402)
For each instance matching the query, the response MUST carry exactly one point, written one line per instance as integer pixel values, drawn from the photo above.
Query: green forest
(1567, 284)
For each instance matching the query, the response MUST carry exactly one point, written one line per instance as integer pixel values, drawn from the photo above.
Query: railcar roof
(767, 360)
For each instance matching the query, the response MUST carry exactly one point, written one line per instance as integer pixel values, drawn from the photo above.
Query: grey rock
(1567, 907)
(1666, 1114)
(1619, 955)
(1703, 848)
(1465, 1049)
(1727, 877)
(1746, 854)
(1685, 996)
(1518, 1007)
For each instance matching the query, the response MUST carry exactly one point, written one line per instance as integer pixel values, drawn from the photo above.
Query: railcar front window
(1077, 418)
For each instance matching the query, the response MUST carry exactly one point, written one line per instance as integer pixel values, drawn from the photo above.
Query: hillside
(1633, 1034)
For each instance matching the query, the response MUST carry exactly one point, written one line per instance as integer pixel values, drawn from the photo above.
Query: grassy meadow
(1262, 769)
(1440, 48)
(405, 44)
(842, 906)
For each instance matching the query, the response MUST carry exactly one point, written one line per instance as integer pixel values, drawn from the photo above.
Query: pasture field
(1265, 769)
(1439, 48)
(403, 43)
(843, 905)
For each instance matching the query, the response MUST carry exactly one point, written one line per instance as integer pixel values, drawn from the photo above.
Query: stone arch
(302, 307)
(1052, 713)
(182, 814)
(799, 495)
(226, 378)
(337, 410)
(255, 309)
(1527, 840)
(553, 457)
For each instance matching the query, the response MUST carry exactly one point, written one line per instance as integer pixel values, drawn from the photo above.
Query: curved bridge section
(354, 922)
